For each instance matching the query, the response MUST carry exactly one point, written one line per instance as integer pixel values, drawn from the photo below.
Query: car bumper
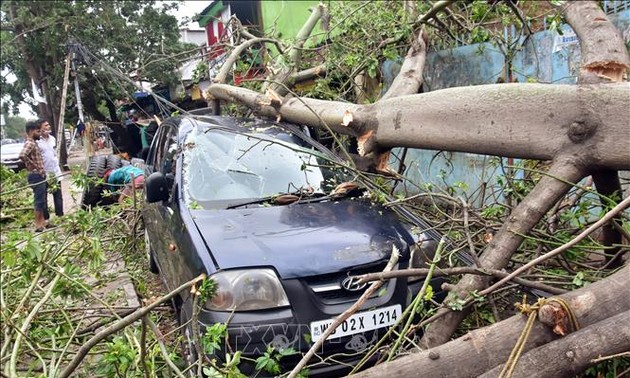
(253, 333)
(14, 164)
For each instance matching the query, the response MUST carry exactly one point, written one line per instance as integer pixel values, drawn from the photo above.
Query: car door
(149, 213)
(160, 217)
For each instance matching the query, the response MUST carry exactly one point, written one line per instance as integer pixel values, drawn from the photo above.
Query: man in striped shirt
(31, 155)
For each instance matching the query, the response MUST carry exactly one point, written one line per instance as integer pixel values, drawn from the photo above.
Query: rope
(532, 312)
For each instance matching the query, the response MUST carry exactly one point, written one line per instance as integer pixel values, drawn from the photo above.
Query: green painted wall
(286, 18)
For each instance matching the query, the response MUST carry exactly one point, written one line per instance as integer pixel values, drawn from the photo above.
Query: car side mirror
(156, 188)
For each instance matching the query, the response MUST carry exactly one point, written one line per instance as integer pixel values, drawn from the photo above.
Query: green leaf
(287, 352)
(33, 250)
(428, 294)
(9, 257)
(211, 372)
(578, 280)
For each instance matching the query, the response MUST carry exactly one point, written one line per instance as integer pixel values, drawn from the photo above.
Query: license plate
(358, 323)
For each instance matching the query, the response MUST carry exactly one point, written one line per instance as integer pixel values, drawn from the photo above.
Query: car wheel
(114, 161)
(153, 267)
(92, 194)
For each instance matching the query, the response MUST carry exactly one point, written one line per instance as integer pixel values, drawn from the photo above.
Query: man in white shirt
(47, 144)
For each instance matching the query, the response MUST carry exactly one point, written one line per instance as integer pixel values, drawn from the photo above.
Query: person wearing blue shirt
(129, 176)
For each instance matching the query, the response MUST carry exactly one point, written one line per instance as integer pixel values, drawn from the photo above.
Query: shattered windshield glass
(220, 166)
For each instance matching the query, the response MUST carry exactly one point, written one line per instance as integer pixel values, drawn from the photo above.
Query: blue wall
(546, 58)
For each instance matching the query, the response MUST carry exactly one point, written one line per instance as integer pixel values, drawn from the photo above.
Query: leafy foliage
(73, 264)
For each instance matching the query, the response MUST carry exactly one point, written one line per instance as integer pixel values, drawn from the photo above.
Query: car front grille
(328, 287)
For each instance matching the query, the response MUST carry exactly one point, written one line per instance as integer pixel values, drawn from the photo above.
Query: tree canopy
(138, 38)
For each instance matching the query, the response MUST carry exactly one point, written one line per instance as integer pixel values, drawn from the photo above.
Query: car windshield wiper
(343, 190)
(278, 199)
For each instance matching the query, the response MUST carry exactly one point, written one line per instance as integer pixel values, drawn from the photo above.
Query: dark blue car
(282, 226)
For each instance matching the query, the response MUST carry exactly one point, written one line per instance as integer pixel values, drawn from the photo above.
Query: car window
(169, 164)
(156, 153)
(221, 165)
(165, 147)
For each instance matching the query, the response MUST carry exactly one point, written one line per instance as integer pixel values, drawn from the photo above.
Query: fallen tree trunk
(572, 354)
(588, 119)
(484, 348)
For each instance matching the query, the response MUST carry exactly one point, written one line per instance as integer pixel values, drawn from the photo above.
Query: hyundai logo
(353, 284)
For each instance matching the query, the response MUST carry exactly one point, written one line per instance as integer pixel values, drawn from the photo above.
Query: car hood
(301, 240)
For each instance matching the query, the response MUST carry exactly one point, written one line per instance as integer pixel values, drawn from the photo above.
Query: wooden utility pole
(62, 110)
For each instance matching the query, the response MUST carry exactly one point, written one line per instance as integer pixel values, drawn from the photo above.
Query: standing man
(47, 145)
(31, 155)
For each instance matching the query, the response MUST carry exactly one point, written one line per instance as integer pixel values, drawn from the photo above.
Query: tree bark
(573, 354)
(484, 348)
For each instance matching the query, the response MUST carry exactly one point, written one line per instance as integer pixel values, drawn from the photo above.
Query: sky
(186, 9)
(189, 9)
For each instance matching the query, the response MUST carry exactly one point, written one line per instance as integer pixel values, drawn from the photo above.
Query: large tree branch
(279, 78)
(523, 218)
(409, 79)
(235, 55)
(574, 353)
(484, 348)
(437, 8)
(304, 111)
(544, 120)
(604, 56)
(30, 66)
(306, 75)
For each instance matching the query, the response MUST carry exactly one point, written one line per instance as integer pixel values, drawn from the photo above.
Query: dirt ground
(114, 266)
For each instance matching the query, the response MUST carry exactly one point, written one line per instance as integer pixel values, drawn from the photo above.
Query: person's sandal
(50, 225)
(40, 229)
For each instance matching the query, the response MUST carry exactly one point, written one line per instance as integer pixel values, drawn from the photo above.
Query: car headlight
(247, 290)
(421, 255)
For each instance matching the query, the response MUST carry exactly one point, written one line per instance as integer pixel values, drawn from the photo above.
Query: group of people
(44, 173)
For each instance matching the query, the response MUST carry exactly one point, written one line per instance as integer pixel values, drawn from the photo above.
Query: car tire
(153, 267)
(92, 194)
(114, 161)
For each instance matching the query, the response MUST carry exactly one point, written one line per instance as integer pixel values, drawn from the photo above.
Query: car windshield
(229, 167)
